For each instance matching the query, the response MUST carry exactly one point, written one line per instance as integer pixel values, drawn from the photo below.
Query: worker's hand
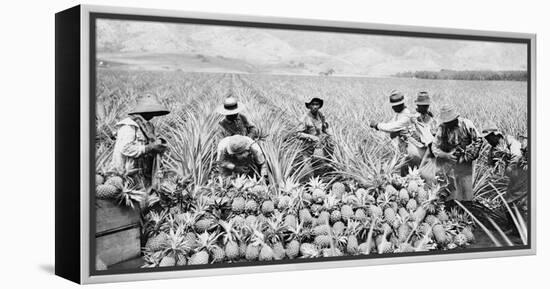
(156, 147)
(314, 138)
(449, 156)
(228, 165)
(373, 124)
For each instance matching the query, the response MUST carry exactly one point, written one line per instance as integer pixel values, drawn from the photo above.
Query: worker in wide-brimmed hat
(504, 156)
(425, 128)
(400, 125)
(457, 144)
(234, 122)
(238, 154)
(313, 131)
(136, 142)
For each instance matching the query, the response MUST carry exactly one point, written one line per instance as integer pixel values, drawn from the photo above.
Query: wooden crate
(117, 232)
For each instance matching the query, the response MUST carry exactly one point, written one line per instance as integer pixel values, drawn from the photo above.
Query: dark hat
(149, 104)
(423, 98)
(396, 98)
(315, 99)
(230, 106)
(490, 128)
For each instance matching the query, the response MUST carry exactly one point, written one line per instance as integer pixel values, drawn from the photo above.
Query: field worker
(136, 144)
(239, 155)
(399, 127)
(457, 144)
(313, 131)
(504, 156)
(234, 122)
(425, 126)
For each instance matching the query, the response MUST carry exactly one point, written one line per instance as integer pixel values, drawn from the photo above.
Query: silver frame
(85, 149)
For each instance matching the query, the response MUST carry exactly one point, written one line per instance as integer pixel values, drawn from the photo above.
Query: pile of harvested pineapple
(242, 219)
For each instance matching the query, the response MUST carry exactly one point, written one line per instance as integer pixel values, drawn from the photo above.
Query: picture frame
(87, 225)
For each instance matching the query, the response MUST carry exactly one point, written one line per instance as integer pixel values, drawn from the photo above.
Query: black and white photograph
(236, 145)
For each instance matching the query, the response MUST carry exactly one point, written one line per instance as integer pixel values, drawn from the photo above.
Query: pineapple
(403, 232)
(321, 230)
(292, 249)
(182, 260)
(335, 216)
(239, 221)
(106, 191)
(390, 191)
(204, 225)
(250, 220)
(217, 253)
(199, 258)
(322, 241)
(405, 248)
(383, 245)
(404, 196)
(347, 212)
(461, 240)
(413, 187)
(266, 253)
(251, 206)
(167, 261)
(252, 252)
(308, 250)
(238, 205)
(338, 228)
(426, 230)
(361, 194)
(390, 217)
(338, 189)
(305, 216)
(317, 189)
(116, 181)
(278, 251)
(467, 231)
(411, 205)
(360, 215)
(352, 245)
(99, 179)
(268, 207)
(403, 213)
(431, 219)
(324, 217)
(290, 221)
(284, 203)
(242, 249)
(419, 215)
(422, 196)
(440, 234)
(157, 242)
(375, 211)
(442, 216)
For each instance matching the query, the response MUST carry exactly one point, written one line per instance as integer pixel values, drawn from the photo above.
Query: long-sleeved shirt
(508, 147)
(400, 122)
(312, 125)
(239, 126)
(426, 128)
(464, 136)
(129, 146)
(255, 159)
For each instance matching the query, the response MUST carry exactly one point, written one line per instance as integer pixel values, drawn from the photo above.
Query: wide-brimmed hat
(230, 106)
(315, 99)
(490, 128)
(238, 144)
(422, 98)
(149, 104)
(396, 98)
(447, 114)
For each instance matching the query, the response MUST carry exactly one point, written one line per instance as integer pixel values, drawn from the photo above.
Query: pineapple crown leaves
(187, 219)
(275, 228)
(231, 233)
(316, 183)
(131, 197)
(207, 241)
(152, 222)
(239, 182)
(353, 228)
(176, 243)
(330, 202)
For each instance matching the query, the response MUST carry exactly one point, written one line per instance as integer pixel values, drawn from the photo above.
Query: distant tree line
(513, 75)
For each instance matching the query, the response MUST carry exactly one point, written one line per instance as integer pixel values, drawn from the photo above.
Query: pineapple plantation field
(361, 206)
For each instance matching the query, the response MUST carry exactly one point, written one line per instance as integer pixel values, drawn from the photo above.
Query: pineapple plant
(231, 238)
(317, 189)
(351, 232)
(284, 202)
(206, 246)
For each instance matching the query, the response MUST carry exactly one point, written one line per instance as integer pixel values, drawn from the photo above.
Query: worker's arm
(401, 123)
(252, 130)
(126, 139)
(259, 158)
(436, 147)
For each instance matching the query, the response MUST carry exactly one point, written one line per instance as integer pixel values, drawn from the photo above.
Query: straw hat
(230, 106)
(490, 128)
(149, 104)
(315, 99)
(238, 144)
(396, 98)
(423, 98)
(447, 114)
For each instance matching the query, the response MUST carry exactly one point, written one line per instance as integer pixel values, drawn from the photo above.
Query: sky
(145, 45)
